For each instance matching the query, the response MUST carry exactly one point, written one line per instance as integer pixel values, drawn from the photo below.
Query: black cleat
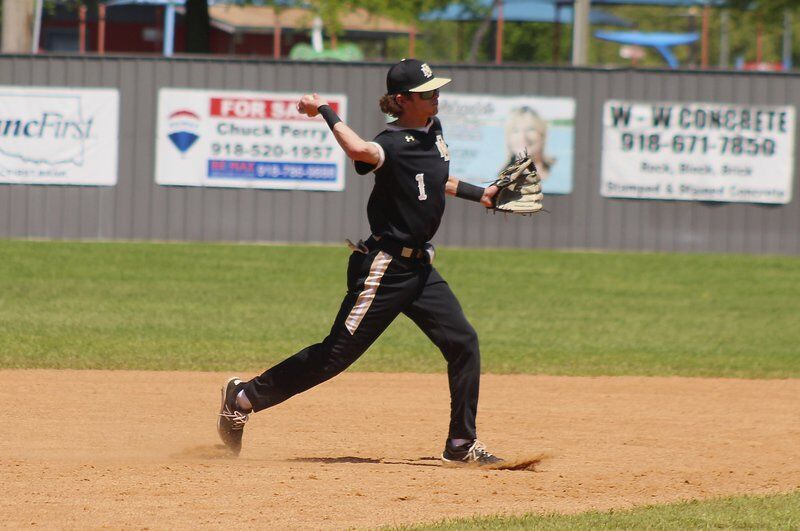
(231, 421)
(471, 454)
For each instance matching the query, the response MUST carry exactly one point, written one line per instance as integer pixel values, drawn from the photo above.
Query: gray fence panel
(137, 208)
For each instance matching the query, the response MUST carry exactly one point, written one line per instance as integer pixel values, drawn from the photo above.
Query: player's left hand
(309, 104)
(488, 193)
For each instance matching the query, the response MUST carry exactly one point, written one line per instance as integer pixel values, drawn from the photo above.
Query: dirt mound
(139, 449)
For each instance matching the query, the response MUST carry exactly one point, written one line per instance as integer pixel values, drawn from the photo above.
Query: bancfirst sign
(698, 151)
(59, 135)
(245, 140)
(48, 125)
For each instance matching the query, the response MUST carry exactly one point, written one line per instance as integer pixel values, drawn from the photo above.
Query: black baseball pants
(379, 288)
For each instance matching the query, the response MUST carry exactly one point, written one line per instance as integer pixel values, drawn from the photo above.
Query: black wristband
(329, 115)
(469, 191)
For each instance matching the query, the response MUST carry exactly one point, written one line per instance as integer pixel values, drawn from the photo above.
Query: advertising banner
(698, 151)
(59, 135)
(240, 139)
(484, 133)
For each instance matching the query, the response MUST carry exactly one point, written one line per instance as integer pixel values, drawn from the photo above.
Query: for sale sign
(245, 140)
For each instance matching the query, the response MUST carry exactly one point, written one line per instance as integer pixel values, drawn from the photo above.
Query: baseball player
(391, 272)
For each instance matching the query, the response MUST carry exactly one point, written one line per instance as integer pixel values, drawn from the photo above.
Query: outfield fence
(137, 208)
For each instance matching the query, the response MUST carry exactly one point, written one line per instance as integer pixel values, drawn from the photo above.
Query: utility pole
(787, 40)
(37, 26)
(704, 43)
(724, 40)
(17, 26)
(580, 32)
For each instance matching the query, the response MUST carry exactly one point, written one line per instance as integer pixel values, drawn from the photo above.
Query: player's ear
(402, 98)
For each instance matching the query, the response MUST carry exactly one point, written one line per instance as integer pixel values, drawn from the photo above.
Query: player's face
(426, 103)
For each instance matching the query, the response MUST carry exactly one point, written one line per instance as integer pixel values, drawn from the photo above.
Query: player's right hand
(309, 104)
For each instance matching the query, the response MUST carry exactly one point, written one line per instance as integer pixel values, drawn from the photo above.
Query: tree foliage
(531, 43)
(766, 9)
(72, 5)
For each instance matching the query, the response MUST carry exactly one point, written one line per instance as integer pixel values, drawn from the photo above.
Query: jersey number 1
(421, 185)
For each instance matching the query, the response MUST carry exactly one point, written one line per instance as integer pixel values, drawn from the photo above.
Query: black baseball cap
(412, 75)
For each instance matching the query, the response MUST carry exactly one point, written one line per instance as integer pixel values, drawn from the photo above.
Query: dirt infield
(138, 449)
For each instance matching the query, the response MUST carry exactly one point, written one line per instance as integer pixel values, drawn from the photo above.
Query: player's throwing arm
(353, 145)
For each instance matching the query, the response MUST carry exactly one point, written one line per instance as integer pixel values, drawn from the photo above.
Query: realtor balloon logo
(183, 126)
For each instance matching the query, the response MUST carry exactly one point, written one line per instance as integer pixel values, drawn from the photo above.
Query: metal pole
(276, 36)
(37, 27)
(498, 47)
(169, 29)
(101, 28)
(82, 29)
(556, 56)
(704, 44)
(787, 40)
(724, 42)
(580, 33)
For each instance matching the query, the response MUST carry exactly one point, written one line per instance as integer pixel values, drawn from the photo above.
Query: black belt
(396, 249)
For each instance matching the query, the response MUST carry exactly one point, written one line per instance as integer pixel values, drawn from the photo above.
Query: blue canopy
(660, 41)
(665, 3)
(528, 11)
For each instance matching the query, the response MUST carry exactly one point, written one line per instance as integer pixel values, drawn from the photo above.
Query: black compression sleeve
(329, 115)
(469, 191)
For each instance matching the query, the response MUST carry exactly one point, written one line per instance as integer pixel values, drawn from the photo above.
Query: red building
(235, 30)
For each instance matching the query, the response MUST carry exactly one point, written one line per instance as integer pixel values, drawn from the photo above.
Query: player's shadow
(346, 459)
(527, 463)
(365, 460)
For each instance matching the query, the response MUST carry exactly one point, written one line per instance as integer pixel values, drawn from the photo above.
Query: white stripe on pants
(367, 295)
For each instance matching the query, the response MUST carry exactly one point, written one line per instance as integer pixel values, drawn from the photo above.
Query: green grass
(243, 307)
(745, 512)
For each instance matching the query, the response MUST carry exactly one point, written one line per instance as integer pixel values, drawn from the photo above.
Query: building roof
(258, 19)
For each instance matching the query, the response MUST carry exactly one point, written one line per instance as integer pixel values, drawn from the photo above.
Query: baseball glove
(520, 188)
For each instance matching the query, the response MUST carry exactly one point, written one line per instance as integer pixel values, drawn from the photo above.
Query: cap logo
(426, 70)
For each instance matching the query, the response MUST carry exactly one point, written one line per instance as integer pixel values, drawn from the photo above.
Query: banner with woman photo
(484, 133)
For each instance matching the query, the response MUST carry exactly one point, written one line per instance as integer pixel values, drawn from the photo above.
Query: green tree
(766, 10)
(483, 29)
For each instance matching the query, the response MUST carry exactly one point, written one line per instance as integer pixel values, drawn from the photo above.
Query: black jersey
(407, 202)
